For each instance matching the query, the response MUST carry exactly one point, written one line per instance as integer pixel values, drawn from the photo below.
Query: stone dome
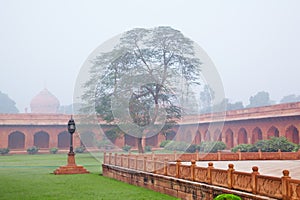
(44, 102)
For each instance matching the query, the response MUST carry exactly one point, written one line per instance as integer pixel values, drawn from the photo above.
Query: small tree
(53, 150)
(227, 197)
(32, 150)
(212, 147)
(243, 148)
(4, 151)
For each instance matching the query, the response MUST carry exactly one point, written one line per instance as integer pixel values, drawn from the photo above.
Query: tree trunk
(140, 145)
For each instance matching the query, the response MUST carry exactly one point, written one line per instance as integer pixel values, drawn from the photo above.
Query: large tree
(260, 99)
(142, 83)
(290, 98)
(7, 105)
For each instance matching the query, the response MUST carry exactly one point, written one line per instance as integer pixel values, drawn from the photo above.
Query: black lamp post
(71, 167)
(71, 129)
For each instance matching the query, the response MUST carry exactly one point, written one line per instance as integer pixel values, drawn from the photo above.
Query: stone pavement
(265, 167)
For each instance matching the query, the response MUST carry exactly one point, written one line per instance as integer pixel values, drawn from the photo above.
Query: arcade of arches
(247, 126)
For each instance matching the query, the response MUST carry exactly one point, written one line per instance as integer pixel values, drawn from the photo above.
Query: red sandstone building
(45, 128)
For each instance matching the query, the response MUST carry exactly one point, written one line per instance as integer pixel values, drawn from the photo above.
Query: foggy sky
(254, 44)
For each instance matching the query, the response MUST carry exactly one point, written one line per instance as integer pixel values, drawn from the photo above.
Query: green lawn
(30, 177)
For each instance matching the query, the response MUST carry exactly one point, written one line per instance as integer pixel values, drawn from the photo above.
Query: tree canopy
(260, 99)
(7, 105)
(144, 80)
(290, 98)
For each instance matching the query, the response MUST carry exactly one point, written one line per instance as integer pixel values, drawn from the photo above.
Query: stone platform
(71, 167)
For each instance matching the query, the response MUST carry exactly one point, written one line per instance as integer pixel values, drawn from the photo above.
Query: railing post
(145, 164)
(104, 157)
(259, 154)
(193, 165)
(154, 165)
(285, 185)
(280, 154)
(115, 159)
(229, 174)
(254, 180)
(166, 167)
(219, 155)
(240, 154)
(152, 156)
(128, 161)
(136, 162)
(122, 160)
(209, 178)
(197, 155)
(109, 159)
(178, 163)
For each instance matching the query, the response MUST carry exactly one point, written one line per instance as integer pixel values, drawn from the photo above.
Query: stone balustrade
(274, 187)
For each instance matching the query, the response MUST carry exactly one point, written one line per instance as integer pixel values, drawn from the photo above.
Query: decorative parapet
(274, 187)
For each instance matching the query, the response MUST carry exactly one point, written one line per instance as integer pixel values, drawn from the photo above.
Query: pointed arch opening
(197, 139)
(217, 135)
(272, 132)
(151, 139)
(256, 135)
(242, 136)
(63, 140)
(207, 136)
(229, 138)
(292, 134)
(41, 139)
(16, 140)
(88, 139)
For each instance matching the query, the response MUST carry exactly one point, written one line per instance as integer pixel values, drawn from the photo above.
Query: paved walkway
(265, 167)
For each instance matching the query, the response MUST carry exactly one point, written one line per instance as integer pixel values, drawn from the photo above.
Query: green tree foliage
(244, 148)
(32, 150)
(7, 105)
(228, 105)
(4, 151)
(260, 99)
(206, 99)
(160, 55)
(271, 145)
(227, 197)
(113, 133)
(212, 146)
(290, 98)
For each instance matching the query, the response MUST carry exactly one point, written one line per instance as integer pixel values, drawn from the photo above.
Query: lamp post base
(71, 167)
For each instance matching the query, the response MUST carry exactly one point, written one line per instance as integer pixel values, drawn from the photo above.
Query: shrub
(227, 197)
(192, 148)
(4, 151)
(113, 134)
(148, 148)
(32, 150)
(276, 143)
(104, 144)
(212, 147)
(164, 143)
(177, 146)
(53, 150)
(126, 148)
(243, 148)
(80, 149)
(271, 145)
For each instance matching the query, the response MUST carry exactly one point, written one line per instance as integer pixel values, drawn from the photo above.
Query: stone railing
(275, 187)
(219, 156)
